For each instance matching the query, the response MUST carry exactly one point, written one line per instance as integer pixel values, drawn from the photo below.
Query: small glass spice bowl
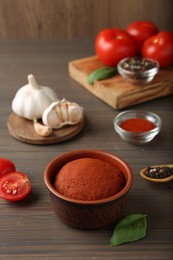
(138, 70)
(137, 137)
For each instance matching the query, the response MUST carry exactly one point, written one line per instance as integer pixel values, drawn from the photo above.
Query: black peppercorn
(138, 64)
(159, 172)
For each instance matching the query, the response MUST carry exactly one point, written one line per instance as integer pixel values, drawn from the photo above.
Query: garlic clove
(52, 116)
(40, 129)
(75, 113)
(57, 108)
(64, 110)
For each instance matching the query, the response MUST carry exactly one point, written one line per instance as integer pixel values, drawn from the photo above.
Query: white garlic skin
(61, 113)
(32, 99)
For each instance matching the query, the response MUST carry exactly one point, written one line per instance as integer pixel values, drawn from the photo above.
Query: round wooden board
(23, 130)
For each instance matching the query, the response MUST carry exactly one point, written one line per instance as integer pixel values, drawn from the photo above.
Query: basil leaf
(129, 229)
(101, 73)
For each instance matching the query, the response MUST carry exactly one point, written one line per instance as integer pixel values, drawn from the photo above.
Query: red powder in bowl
(89, 179)
(137, 125)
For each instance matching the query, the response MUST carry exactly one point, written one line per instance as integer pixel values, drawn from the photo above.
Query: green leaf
(101, 73)
(129, 229)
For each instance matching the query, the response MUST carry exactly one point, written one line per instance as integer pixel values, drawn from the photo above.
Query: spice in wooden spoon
(158, 173)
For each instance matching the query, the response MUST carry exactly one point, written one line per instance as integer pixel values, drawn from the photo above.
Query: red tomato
(14, 186)
(112, 45)
(6, 166)
(160, 48)
(141, 30)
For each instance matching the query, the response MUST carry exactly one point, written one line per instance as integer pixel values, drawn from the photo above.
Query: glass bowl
(137, 138)
(138, 70)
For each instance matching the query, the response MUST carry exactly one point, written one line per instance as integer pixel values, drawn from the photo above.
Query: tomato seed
(14, 191)
(8, 191)
(5, 185)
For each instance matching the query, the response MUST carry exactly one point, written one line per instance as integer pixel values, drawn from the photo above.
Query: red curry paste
(89, 179)
(137, 125)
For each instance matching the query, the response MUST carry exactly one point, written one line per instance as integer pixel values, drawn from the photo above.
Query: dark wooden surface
(40, 19)
(30, 229)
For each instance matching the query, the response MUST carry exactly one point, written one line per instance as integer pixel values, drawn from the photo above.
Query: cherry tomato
(14, 186)
(160, 48)
(141, 30)
(112, 45)
(6, 166)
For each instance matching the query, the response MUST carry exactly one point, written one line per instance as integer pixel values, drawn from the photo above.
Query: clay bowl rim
(76, 154)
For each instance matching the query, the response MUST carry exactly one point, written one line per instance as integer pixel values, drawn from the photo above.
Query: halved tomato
(6, 166)
(14, 186)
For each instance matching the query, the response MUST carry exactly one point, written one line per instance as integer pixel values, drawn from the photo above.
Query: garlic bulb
(32, 99)
(62, 112)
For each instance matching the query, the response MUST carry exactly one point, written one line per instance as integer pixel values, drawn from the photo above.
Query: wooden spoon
(142, 173)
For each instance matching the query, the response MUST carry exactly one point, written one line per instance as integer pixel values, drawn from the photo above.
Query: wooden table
(29, 229)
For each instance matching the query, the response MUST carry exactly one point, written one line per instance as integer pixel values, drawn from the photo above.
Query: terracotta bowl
(87, 214)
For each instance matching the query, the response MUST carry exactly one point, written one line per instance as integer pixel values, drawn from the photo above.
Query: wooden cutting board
(22, 129)
(117, 92)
